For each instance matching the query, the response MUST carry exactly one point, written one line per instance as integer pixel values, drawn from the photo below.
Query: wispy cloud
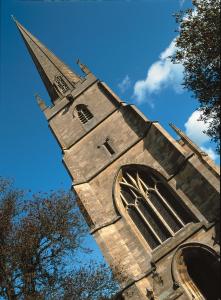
(195, 131)
(182, 2)
(125, 84)
(161, 74)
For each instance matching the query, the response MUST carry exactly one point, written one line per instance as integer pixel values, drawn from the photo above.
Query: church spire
(58, 79)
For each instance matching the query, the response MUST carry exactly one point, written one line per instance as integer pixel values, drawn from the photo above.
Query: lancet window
(108, 147)
(155, 210)
(83, 113)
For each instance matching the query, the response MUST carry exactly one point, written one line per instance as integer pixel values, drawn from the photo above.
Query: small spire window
(61, 84)
(108, 147)
(83, 113)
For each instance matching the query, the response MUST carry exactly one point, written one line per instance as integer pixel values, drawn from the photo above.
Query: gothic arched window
(156, 211)
(83, 113)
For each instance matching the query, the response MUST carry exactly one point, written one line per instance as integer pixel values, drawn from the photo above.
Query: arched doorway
(198, 271)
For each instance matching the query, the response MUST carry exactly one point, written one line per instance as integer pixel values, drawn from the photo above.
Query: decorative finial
(83, 67)
(187, 140)
(41, 103)
(174, 127)
(13, 18)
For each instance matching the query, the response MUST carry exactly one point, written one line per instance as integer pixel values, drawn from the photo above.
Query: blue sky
(124, 43)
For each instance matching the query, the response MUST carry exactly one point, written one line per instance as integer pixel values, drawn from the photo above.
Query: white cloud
(124, 84)
(195, 127)
(194, 130)
(168, 51)
(161, 74)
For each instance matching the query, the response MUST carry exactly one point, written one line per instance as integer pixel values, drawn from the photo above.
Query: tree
(198, 49)
(39, 241)
(94, 281)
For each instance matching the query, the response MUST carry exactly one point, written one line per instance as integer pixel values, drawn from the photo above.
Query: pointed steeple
(59, 80)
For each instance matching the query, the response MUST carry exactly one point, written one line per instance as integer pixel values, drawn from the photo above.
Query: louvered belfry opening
(84, 113)
(157, 212)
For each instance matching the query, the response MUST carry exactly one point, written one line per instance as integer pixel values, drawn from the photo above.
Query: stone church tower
(150, 201)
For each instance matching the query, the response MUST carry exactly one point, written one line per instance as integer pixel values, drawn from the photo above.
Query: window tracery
(154, 209)
(61, 84)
